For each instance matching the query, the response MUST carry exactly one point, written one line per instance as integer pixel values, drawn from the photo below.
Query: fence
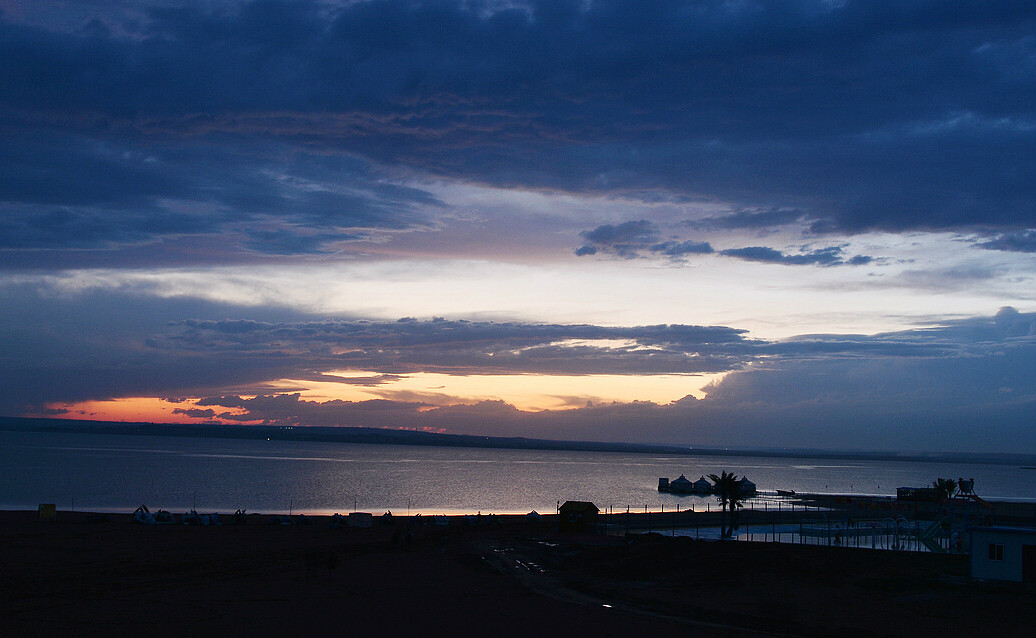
(834, 521)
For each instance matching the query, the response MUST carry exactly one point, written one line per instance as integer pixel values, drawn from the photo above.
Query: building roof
(584, 506)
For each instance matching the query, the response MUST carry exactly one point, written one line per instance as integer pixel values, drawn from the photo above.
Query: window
(996, 551)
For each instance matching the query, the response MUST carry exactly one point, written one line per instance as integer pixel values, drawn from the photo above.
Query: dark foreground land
(79, 576)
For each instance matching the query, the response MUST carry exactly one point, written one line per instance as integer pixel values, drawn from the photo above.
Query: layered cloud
(956, 381)
(127, 124)
(155, 155)
(946, 387)
(641, 238)
(968, 385)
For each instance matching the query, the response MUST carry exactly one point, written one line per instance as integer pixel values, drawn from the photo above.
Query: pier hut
(676, 486)
(681, 485)
(747, 487)
(702, 486)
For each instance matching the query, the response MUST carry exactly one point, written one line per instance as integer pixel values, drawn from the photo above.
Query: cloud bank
(289, 124)
(955, 383)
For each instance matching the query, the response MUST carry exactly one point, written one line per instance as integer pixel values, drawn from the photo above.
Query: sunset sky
(733, 224)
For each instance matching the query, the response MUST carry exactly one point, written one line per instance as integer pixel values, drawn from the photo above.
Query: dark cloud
(635, 239)
(464, 347)
(856, 115)
(679, 249)
(1020, 242)
(195, 413)
(973, 392)
(831, 256)
(754, 219)
(283, 241)
(94, 346)
(65, 191)
(623, 240)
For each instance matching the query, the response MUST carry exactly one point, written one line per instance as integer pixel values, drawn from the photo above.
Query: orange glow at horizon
(145, 409)
(527, 392)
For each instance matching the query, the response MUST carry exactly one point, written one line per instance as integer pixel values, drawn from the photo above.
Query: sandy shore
(100, 575)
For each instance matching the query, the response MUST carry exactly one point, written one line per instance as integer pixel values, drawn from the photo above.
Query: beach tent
(143, 515)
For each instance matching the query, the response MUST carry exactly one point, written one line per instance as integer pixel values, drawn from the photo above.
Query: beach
(99, 574)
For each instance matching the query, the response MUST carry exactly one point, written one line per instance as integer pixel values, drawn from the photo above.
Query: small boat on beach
(785, 492)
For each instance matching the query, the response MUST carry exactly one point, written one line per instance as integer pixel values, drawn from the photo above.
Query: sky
(739, 224)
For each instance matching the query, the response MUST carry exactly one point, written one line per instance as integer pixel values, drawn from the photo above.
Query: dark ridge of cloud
(635, 232)
(862, 115)
(679, 249)
(749, 219)
(195, 413)
(1021, 242)
(635, 239)
(623, 240)
(462, 347)
(68, 191)
(223, 401)
(831, 256)
(288, 242)
(292, 409)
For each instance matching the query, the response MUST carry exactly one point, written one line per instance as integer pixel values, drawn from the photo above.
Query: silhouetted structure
(577, 516)
(677, 486)
(920, 494)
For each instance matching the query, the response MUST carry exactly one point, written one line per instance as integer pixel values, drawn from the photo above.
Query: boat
(785, 492)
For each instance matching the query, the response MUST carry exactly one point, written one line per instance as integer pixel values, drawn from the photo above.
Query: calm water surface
(117, 473)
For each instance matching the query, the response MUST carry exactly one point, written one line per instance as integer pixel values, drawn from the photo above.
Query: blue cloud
(624, 240)
(1020, 242)
(831, 256)
(855, 115)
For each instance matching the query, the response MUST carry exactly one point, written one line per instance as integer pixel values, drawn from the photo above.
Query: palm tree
(728, 489)
(946, 487)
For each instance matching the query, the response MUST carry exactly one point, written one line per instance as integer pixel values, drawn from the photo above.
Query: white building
(1003, 553)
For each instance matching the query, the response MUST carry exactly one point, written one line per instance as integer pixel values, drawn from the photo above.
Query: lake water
(91, 472)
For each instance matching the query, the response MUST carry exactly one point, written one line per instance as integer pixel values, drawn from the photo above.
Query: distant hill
(382, 436)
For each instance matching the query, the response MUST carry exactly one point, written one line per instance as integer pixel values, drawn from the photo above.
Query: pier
(826, 519)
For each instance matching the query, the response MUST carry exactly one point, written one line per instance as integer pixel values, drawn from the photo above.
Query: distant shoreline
(380, 436)
(797, 508)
